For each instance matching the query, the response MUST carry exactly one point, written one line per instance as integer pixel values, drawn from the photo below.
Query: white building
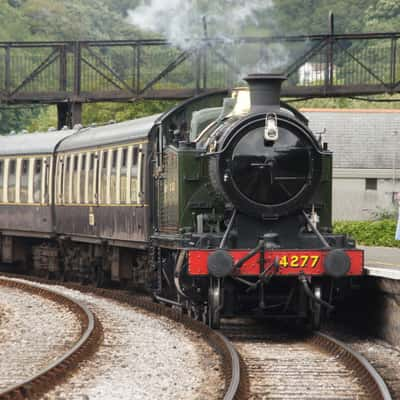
(366, 159)
(313, 73)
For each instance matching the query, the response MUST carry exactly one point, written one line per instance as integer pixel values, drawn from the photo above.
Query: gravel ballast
(141, 357)
(34, 331)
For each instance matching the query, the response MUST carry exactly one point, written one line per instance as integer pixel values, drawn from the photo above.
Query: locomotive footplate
(288, 262)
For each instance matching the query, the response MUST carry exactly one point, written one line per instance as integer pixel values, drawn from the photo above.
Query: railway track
(286, 364)
(260, 363)
(46, 378)
(235, 382)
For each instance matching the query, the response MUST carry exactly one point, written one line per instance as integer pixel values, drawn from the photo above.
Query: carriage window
(75, 179)
(113, 178)
(134, 175)
(60, 179)
(123, 176)
(47, 184)
(83, 179)
(37, 181)
(67, 173)
(91, 178)
(103, 177)
(12, 167)
(1, 179)
(23, 185)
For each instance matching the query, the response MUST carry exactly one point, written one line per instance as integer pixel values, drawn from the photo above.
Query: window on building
(23, 185)
(12, 169)
(37, 181)
(113, 177)
(123, 176)
(371, 184)
(134, 175)
(1, 179)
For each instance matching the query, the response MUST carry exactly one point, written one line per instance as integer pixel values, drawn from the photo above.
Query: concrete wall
(384, 309)
(352, 201)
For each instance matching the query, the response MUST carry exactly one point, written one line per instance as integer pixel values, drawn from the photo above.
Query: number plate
(299, 261)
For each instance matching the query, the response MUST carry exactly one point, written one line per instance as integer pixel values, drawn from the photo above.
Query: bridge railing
(319, 65)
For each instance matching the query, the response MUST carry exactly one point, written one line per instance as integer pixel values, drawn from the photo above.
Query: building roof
(359, 138)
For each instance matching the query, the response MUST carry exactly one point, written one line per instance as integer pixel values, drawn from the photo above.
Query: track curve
(48, 377)
(236, 384)
(296, 365)
(366, 372)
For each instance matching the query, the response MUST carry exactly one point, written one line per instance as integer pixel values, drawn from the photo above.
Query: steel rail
(46, 378)
(233, 388)
(365, 371)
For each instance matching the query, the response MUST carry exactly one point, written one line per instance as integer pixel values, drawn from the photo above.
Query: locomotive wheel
(316, 309)
(214, 303)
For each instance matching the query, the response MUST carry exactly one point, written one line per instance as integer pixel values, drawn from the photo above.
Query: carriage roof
(73, 139)
(32, 143)
(134, 130)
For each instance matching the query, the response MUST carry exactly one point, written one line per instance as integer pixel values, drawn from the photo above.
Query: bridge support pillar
(69, 114)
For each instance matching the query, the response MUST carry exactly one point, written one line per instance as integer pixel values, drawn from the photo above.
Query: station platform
(383, 262)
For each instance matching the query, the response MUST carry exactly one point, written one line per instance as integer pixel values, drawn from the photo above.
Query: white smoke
(181, 23)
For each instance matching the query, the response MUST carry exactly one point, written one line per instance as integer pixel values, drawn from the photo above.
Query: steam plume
(180, 22)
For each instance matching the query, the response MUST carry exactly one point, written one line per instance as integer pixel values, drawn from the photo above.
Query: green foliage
(35, 20)
(104, 112)
(370, 233)
(101, 113)
(383, 16)
(16, 119)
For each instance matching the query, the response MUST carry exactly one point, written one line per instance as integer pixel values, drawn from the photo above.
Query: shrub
(370, 233)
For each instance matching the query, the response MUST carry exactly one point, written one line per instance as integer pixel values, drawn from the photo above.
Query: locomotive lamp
(271, 132)
(241, 97)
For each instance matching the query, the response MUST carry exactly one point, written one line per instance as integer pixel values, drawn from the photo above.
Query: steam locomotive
(221, 207)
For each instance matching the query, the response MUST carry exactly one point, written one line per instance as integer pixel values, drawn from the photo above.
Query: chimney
(265, 92)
